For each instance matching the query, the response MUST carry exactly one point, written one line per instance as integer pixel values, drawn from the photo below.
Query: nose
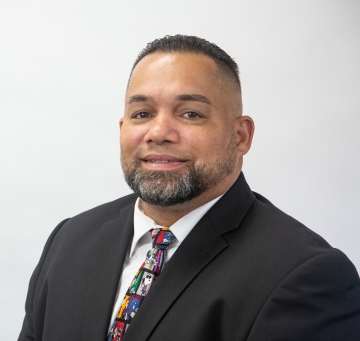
(162, 129)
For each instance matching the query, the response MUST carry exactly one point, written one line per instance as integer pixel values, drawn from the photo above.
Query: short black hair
(192, 44)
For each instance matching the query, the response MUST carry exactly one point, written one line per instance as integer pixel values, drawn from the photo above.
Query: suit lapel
(192, 256)
(198, 249)
(108, 255)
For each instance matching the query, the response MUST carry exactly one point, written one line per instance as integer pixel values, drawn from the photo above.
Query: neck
(167, 216)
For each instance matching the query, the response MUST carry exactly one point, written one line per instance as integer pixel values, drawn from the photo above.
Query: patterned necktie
(143, 280)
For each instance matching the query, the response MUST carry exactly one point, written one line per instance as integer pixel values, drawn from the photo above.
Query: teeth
(158, 161)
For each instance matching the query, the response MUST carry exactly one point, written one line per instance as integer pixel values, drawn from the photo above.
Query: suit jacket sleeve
(319, 300)
(27, 331)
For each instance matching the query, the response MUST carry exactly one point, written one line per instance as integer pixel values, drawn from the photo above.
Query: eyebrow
(194, 98)
(184, 97)
(139, 98)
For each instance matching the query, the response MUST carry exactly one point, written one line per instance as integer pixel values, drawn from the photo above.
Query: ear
(244, 131)
(121, 122)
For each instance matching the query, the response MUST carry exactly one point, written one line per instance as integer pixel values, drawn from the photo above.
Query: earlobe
(244, 132)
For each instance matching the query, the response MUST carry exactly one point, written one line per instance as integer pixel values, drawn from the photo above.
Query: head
(183, 135)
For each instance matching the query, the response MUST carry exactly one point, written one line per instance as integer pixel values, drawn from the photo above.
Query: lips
(161, 162)
(161, 158)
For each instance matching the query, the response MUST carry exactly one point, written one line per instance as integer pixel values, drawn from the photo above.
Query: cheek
(217, 143)
(130, 138)
(206, 142)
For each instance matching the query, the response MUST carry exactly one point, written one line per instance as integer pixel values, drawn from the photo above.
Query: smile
(161, 161)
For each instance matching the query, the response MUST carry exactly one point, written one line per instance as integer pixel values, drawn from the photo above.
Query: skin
(161, 123)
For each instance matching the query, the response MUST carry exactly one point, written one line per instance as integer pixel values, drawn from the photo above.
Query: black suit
(247, 271)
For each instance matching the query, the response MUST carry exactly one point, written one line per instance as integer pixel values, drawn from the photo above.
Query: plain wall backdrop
(64, 66)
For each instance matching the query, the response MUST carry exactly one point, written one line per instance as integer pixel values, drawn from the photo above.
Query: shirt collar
(181, 228)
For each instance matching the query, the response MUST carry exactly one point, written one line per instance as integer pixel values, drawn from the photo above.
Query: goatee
(172, 187)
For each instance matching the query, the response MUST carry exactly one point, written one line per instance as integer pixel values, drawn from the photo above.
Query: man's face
(177, 134)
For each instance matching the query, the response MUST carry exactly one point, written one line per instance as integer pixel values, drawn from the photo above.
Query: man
(237, 267)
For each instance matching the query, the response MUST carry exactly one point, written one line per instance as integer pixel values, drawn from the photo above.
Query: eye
(191, 114)
(142, 114)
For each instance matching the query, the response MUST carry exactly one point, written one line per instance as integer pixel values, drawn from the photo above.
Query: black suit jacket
(247, 271)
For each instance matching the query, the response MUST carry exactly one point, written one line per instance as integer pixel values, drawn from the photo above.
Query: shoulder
(107, 211)
(72, 236)
(300, 281)
(279, 230)
(271, 243)
(91, 220)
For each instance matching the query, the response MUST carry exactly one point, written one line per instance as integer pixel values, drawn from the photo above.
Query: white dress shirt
(142, 243)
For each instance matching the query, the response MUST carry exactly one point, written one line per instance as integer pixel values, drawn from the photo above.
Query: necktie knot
(162, 238)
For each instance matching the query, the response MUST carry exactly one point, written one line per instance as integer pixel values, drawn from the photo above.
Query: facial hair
(172, 187)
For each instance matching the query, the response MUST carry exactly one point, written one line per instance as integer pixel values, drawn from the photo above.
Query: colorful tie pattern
(142, 282)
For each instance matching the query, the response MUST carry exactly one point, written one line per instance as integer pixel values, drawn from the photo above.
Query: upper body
(246, 270)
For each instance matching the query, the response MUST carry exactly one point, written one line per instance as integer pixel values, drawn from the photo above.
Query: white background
(64, 66)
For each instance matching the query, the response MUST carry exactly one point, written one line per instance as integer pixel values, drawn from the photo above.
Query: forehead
(174, 72)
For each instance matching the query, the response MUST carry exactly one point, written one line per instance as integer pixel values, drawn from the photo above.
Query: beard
(172, 187)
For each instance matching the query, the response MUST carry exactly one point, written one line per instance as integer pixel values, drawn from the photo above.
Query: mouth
(161, 161)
